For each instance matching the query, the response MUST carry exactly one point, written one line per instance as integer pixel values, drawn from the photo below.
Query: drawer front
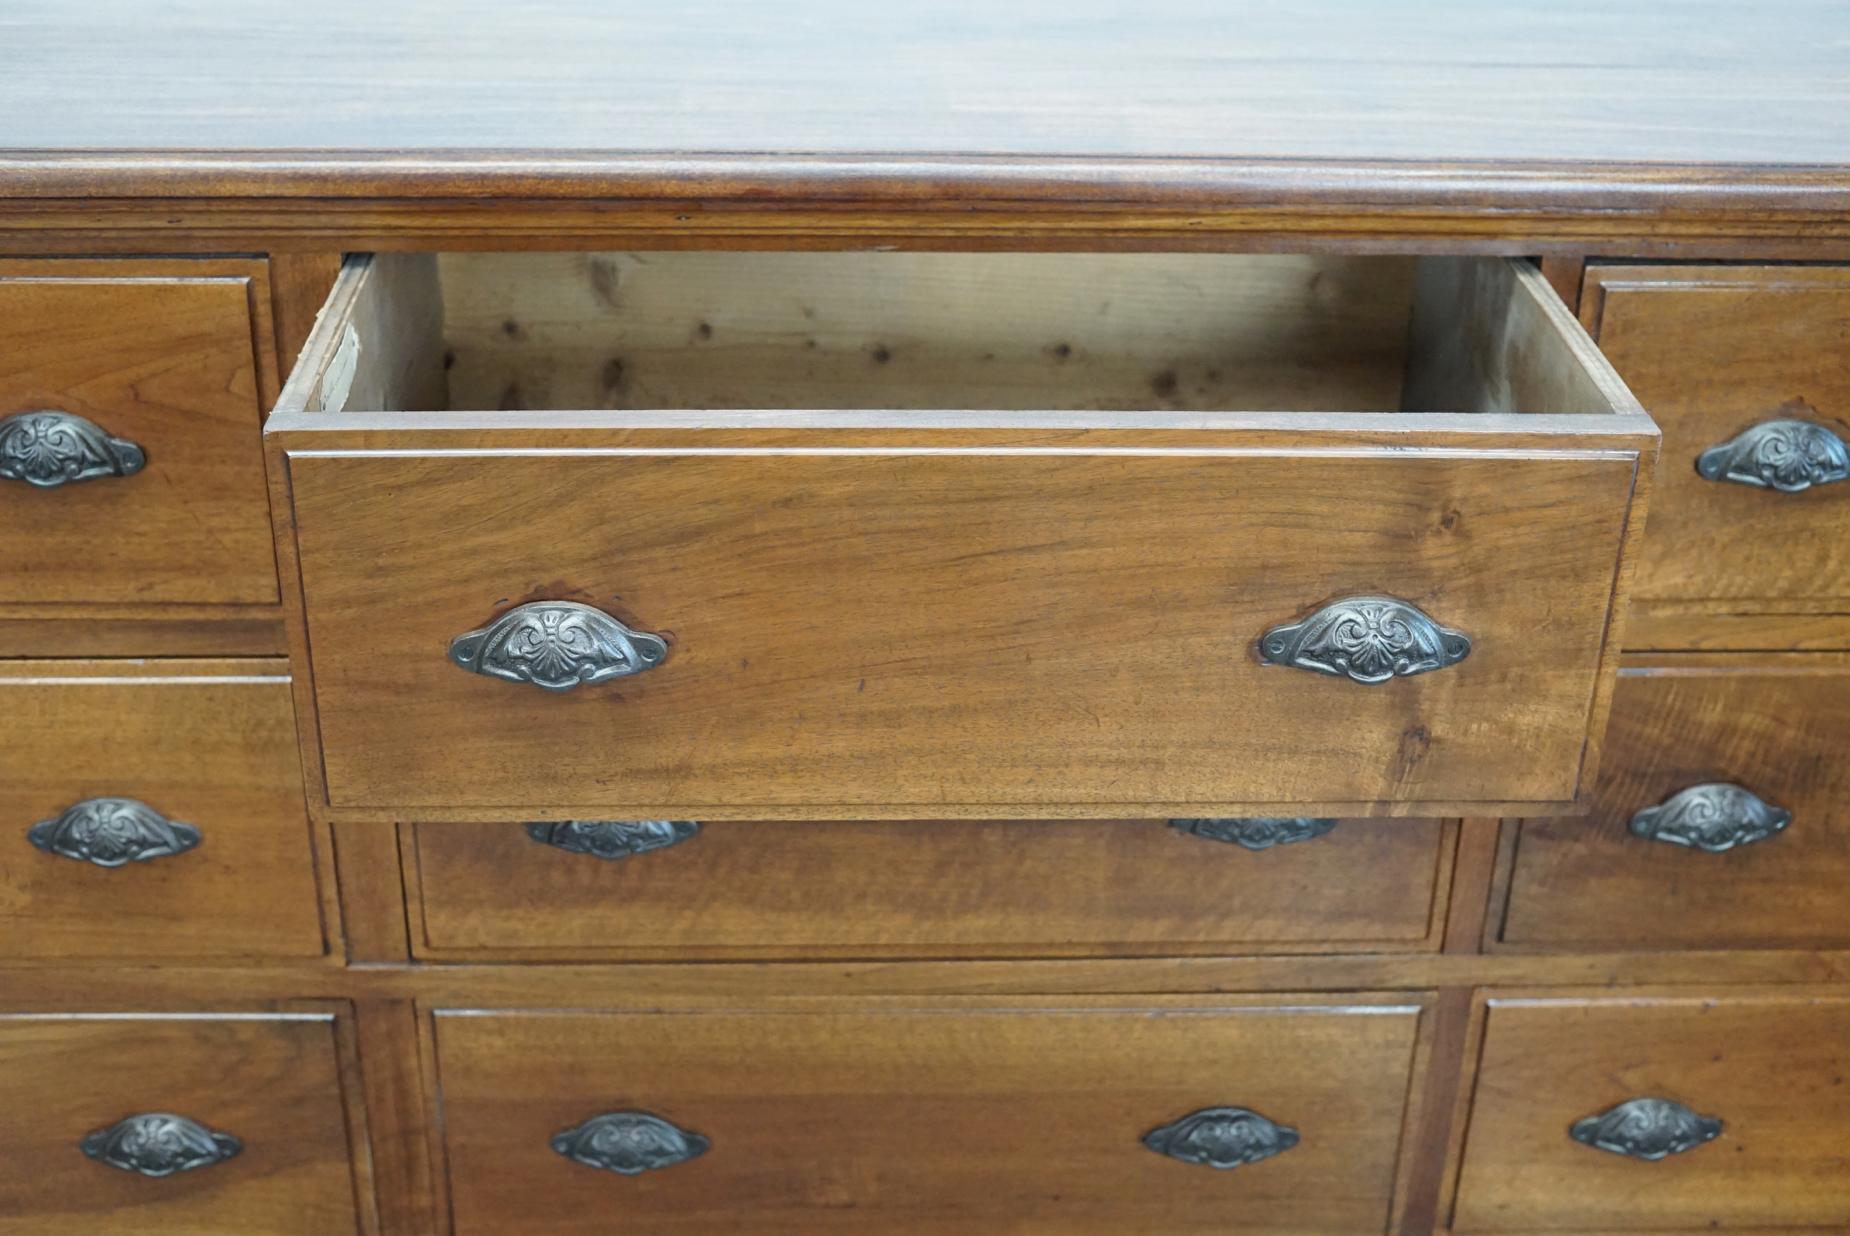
(1659, 1113)
(131, 466)
(180, 1125)
(963, 631)
(1719, 821)
(1716, 354)
(929, 888)
(926, 1120)
(153, 810)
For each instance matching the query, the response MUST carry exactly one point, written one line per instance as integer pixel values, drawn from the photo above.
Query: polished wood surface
(1775, 725)
(922, 1120)
(212, 743)
(1768, 1064)
(947, 888)
(1277, 181)
(973, 563)
(271, 1080)
(299, 287)
(78, 630)
(917, 632)
(1689, 82)
(172, 356)
(718, 984)
(1712, 351)
(1636, 129)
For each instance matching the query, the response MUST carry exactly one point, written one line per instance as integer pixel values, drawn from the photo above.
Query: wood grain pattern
(921, 1120)
(1690, 82)
(1492, 337)
(953, 889)
(209, 742)
(1777, 727)
(181, 985)
(796, 711)
(274, 1081)
(1432, 1109)
(1474, 876)
(1680, 626)
(925, 330)
(1038, 332)
(163, 355)
(956, 659)
(1685, 129)
(372, 894)
(77, 630)
(1769, 1064)
(1643, 128)
(1711, 351)
(386, 1040)
(299, 283)
(1565, 274)
(1793, 214)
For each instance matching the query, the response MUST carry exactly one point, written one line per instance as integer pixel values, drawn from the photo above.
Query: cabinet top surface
(1659, 82)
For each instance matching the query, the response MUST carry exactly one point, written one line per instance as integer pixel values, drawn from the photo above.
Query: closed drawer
(1070, 1118)
(188, 1124)
(1174, 609)
(668, 889)
(1757, 357)
(131, 468)
(1720, 816)
(1663, 1113)
(152, 810)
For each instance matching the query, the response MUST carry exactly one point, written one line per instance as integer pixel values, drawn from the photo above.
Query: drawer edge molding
(611, 840)
(1366, 639)
(1786, 455)
(1646, 1129)
(630, 1143)
(1713, 817)
(1257, 832)
(556, 646)
(157, 1144)
(113, 832)
(47, 448)
(1222, 1138)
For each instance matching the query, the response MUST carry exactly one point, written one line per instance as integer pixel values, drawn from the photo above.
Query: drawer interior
(1052, 332)
(1051, 587)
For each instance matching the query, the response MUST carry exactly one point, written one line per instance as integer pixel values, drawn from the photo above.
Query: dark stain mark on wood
(604, 281)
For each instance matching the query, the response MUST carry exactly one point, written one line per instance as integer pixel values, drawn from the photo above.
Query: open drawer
(880, 535)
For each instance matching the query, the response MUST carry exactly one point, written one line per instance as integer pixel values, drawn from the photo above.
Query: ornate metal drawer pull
(1787, 455)
(113, 832)
(1365, 639)
(1222, 1138)
(612, 839)
(629, 1143)
(557, 645)
(1647, 1129)
(1257, 832)
(1712, 817)
(159, 1144)
(47, 448)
